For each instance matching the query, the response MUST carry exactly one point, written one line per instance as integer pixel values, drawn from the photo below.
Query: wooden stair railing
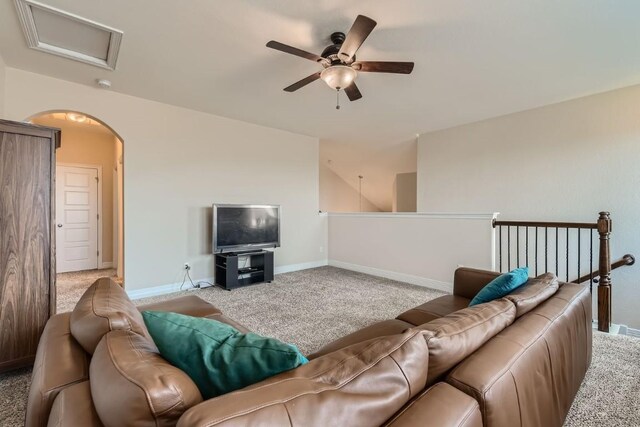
(539, 230)
(628, 259)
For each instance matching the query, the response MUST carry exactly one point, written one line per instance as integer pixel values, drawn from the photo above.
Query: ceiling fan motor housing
(331, 51)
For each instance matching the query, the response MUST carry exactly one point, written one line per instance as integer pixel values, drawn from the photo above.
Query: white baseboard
(106, 265)
(153, 291)
(633, 332)
(616, 329)
(621, 330)
(175, 287)
(400, 277)
(298, 267)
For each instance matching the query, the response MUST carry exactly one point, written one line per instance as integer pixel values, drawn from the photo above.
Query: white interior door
(76, 218)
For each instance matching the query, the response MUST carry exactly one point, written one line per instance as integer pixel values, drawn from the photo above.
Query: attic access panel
(60, 33)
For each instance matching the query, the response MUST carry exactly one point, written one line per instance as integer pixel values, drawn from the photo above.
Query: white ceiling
(474, 59)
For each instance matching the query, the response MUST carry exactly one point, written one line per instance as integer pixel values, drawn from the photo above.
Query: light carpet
(313, 307)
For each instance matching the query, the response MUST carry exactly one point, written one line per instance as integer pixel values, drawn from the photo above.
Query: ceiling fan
(340, 67)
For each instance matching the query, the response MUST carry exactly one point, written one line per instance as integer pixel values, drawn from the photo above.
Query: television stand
(235, 270)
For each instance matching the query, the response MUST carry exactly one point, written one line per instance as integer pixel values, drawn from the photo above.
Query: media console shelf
(234, 270)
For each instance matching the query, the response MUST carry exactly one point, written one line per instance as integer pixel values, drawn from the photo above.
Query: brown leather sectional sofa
(516, 361)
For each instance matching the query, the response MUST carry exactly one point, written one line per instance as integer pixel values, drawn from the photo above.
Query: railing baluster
(546, 250)
(526, 246)
(579, 250)
(509, 248)
(567, 245)
(536, 251)
(556, 251)
(517, 247)
(500, 246)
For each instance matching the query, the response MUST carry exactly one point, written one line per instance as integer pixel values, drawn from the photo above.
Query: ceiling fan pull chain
(338, 99)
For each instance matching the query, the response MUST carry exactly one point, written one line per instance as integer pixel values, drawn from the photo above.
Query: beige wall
(405, 192)
(377, 162)
(336, 195)
(179, 162)
(118, 234)
(86, 145)
(561, 162)
(410, 247)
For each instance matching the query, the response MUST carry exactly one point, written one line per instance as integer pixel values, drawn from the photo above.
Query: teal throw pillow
(217, 357)
(502, 285)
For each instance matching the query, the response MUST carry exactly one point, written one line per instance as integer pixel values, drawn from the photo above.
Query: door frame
(99, 208)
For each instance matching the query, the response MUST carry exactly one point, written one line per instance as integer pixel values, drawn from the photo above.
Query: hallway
(71, 286)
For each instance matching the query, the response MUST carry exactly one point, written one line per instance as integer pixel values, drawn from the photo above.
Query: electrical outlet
(321, 249)
(187, 266)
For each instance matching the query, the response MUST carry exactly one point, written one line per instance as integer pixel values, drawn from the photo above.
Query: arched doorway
(89, 202)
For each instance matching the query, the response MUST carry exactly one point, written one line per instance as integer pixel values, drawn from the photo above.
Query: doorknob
(59, 225)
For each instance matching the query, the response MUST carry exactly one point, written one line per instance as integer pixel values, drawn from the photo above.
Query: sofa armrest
(467, 282)
(439, 405)
(60, 362)
(74, 407)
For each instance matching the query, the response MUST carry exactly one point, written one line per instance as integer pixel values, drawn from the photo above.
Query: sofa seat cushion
(189, 305)
(455, 336)
(363, 384)
(534, 292)
(380, 329)
(104, 307)
(60, 362)
(132, 385)
(434, 309)
(74, 407)
(426, 410)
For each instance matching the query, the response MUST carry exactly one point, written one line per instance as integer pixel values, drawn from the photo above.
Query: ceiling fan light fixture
(338, 76)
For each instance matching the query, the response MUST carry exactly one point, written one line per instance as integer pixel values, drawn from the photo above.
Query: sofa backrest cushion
(363, 384)
(102, 308)
(132, 385)
(535, 291)
(455, 336)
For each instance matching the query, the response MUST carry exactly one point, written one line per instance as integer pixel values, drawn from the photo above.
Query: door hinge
(98, 216)
(98, 253)
(97, 179)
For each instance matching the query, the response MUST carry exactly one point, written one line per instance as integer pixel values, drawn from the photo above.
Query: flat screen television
(245, 227)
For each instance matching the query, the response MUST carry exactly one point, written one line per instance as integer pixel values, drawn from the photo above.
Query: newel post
(604, 267)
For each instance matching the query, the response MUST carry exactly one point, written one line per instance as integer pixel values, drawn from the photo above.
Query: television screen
(245, 226)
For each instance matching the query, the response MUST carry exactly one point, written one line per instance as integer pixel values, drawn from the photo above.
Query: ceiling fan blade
(303, 82)
(353, 92)
(360, 30)
(383, 67)
(295, 51)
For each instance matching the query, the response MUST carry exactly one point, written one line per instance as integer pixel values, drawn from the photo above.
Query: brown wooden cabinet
(27, 239)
